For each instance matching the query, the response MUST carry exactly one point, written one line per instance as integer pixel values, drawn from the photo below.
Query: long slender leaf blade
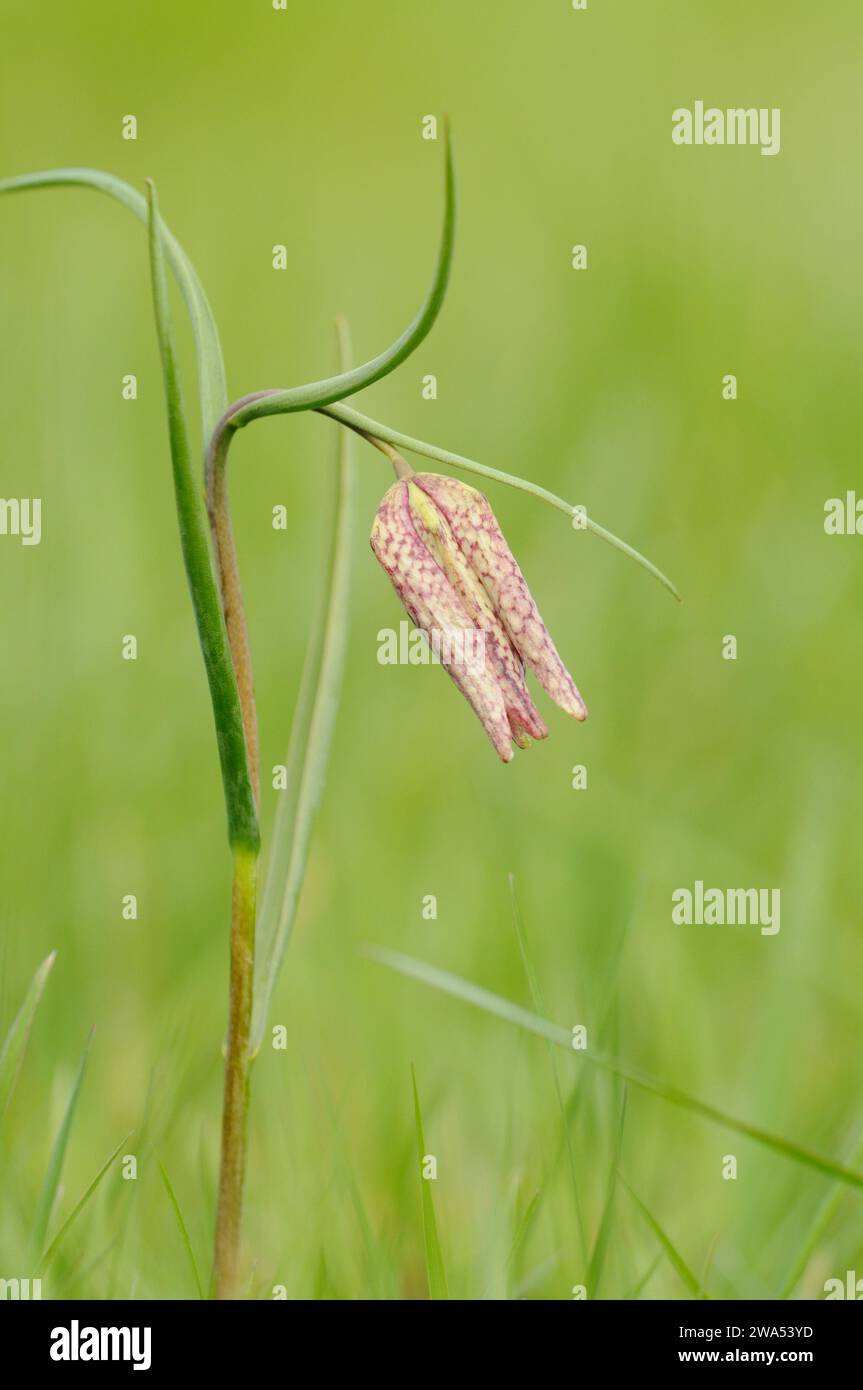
(195, 543)
(54, 1171)
(79, 1207)
(211, 367)
(578, 517)
(603, 1235)
(643, 1281)
(184, 1231)
(15, 1042)
(674, 1256)
(434, 1258)
(523, 1018)
(822, 1220)
(539, 1005)
(210, 361)
(320, 393)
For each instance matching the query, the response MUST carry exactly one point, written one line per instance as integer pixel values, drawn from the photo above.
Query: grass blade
(643, 1281)
(381, 1286)
(673, 1254)
(319, 393)
(15, 1042)
(79, 1207)
(211, 366)
(184, 1231)
(311, 737)
(525, 1226)
(823, 1219)
(539, 1005)
(523, 1018)
(603, 1235)
(53, 1173)
(434, 1259)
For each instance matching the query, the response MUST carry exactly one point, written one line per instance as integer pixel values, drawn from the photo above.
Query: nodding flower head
(441, 545)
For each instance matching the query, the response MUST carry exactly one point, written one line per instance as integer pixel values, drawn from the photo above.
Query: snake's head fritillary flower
(439, 541)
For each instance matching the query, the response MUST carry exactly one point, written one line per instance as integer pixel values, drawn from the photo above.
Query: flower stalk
(238, 1060)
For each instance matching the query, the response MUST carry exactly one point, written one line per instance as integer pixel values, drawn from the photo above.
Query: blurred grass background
(304, 128)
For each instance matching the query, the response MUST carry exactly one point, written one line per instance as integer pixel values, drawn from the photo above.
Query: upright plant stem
(232, 597)
(238, 1056)
(230, 681)
(237, 1063)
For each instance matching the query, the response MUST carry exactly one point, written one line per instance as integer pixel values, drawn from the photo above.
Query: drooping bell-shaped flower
(439, 541)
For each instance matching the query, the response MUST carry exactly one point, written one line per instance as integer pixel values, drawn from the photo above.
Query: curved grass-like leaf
(211, 367)
(15, 1042)
(603, 1235)
(78, 1208)
(820, 1224)
(363, 425)
(213, 390)
(53, 1173)
(674, 1256)
(184, 1231)
(513, 1013)
(195, 542)
(434, 1258)
(319, 393)
(539, 1005)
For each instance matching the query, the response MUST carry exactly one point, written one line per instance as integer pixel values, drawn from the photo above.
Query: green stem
(231, 591)
(232, 1172)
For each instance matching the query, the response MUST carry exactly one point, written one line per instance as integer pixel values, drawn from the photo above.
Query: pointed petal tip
(569, 700)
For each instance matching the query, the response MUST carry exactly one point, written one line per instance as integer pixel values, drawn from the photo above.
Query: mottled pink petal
(433, 528)
(481, 541)
(434, 606)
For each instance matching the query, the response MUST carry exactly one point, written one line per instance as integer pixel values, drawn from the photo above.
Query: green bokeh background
(304, 128)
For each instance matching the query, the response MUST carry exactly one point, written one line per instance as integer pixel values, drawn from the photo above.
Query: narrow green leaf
(823, 1219)
(539, 1005)
(15, 1042)
(513, 1013)
(347, 383)
(243, 827)
(195, 541)
(311, 738)
(603, 1235)
(434, 1259)
(78, 1208)
(354, 420)
(525, 1226)
(53, 1173)
(674, 1256)
(643, 1281)
(211, 367)
(537, 1276)
(380, 1286)
(184, 1231)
